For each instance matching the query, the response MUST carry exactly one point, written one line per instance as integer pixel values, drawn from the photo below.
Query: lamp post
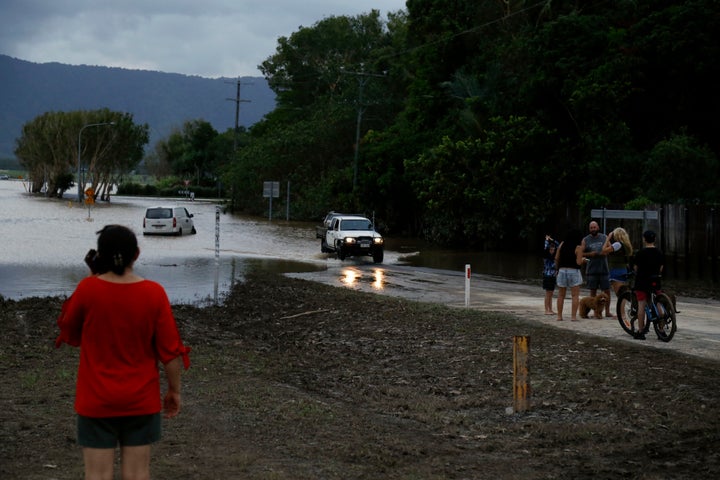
(80, 187)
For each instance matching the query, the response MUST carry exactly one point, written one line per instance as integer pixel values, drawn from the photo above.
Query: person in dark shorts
(619, 251)
(124, 327)
(597, 271)
(649, 263)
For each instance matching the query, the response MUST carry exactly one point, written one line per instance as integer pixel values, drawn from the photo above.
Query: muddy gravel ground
(297, 380)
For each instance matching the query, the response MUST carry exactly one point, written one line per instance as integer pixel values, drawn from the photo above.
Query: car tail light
(174, 222)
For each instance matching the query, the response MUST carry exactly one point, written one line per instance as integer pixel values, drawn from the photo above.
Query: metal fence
(689, 235)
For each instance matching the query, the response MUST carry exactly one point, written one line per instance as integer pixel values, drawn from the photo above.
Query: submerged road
(698, 320)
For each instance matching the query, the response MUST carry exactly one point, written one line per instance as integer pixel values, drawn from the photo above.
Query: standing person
(649, 263)
(549, 272)
(597, 271)
(568, 258)
(124, 326)
(618, 241)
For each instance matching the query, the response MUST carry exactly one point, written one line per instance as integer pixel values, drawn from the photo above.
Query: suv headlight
(350, 240)
(378, 240)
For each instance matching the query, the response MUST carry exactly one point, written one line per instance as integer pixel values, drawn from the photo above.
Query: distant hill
(162, 100)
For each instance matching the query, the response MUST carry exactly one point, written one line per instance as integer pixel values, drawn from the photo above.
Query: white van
(168, 221)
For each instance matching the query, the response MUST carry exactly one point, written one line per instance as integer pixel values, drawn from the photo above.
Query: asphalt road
(698, 320)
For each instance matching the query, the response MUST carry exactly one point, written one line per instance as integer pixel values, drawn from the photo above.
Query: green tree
(190, 152)
(680, 170)
(488, 190)
(52, 144)
(325, 77)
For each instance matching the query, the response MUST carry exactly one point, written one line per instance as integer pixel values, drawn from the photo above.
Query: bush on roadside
(132, 188)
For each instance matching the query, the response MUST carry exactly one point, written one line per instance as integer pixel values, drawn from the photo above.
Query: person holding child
(549, 272)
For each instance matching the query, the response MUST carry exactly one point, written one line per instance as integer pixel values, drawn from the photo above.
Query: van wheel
(179, 234)
(193, 231)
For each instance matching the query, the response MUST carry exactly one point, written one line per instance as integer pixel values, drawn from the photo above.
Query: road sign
(271, 189)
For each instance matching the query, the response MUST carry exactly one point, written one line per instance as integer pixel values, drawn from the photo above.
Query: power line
(362, 77)
(237, 101)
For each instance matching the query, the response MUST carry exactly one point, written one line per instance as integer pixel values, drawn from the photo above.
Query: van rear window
(159, 213)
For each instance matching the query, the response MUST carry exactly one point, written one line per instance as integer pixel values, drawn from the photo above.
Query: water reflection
(379, 282)
(198, 281)
(351, 277)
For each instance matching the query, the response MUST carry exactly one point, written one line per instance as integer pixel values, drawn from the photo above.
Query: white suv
(168, 221)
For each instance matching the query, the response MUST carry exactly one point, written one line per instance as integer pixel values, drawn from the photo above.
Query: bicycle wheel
(666, 325)
(627, 311)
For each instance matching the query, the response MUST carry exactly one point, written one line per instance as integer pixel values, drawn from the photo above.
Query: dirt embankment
(298, 380)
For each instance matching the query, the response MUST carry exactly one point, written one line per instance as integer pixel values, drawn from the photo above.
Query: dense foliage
(479, 120)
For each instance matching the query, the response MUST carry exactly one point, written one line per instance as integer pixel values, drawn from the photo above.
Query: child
(649, 263)
(549, 272)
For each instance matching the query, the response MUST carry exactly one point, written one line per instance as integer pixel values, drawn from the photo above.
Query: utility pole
(237, 101)
(363, 78)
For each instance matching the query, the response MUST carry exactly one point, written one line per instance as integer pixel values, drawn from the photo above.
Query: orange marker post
(521, 373)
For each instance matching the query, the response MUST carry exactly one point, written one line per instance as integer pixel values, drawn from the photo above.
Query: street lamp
(80, 187)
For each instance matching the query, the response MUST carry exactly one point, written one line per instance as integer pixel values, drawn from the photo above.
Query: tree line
(478, 123)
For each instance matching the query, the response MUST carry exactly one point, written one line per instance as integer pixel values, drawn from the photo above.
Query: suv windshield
(356, 225)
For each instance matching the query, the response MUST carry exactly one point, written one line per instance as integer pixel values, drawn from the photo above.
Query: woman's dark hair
(573, 237)
(117, 248)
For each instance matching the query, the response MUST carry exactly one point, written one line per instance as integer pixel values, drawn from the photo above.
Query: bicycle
(659, 310)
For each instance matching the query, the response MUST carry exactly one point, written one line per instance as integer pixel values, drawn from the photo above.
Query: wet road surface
(698, 320)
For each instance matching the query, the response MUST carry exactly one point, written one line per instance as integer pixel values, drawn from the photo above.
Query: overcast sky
(210, 38)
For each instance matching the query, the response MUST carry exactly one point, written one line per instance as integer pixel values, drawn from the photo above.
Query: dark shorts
(594, 281)
(132, 431)
(548, 282)
(619, 275)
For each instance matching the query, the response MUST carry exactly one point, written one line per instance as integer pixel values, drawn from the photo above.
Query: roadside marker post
(216, 286)
(521, 373)
(217, 233)
(467, 285)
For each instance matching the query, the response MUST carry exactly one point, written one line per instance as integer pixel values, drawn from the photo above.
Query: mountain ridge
(162, 100)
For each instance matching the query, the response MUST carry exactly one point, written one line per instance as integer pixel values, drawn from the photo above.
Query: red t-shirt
(123, 330)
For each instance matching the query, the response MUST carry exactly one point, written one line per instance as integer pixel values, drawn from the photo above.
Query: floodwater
(45, 240)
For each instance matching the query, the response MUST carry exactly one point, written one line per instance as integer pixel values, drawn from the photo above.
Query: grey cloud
(212, 38)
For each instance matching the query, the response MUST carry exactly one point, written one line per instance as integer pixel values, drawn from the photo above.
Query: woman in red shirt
(124, 326)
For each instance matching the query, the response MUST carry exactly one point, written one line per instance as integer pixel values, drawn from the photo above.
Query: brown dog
(596, 303)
